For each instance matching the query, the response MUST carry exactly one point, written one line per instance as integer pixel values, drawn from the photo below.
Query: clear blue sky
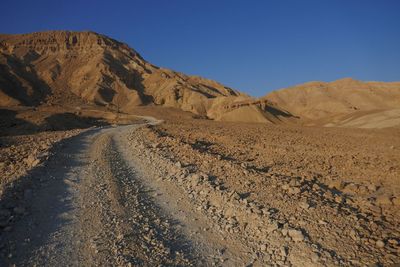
(254, 46)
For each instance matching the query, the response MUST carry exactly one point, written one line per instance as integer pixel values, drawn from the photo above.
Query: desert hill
(333, 102)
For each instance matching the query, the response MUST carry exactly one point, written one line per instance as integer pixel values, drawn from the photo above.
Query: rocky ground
(298, 196)
(196, 192)
(21, 153)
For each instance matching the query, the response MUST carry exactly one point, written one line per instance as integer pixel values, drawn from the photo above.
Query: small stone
(294, 190)
(380, 244)
(304, 205)
(31, 161)
(235, 195)
(314, 257)
(285, 187)
(272, 227)
(263, 247)
(354, 235)
(284, 232)
(178, 164)
(322, 222)
(296, 235)
(338, 199)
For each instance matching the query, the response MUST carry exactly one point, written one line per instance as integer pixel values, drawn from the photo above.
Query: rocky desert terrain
(109, 160)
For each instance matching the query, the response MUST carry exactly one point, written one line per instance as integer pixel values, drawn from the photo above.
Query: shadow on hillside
(132, 80)
(68, 121)
(16, 70)
(10, 125)
(278, 112)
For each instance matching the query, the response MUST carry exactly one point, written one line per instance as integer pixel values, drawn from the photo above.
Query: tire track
(135, 231)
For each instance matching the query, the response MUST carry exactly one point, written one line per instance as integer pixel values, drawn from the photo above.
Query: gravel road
(137, 196)
(96, 203)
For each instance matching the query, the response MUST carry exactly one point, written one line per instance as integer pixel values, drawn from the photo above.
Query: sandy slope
(317, 100)
(376, 119)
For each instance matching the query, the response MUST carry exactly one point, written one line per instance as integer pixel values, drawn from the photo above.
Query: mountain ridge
(74, 68)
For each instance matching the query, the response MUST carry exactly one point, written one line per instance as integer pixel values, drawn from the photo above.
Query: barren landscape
(108, 160)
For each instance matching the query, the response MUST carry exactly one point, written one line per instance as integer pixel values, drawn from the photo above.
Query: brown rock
(296, 235)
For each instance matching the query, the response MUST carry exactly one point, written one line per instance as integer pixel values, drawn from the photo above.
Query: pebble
(272, 227)
(322, 222)
(296, 235)
(304, 205)
(314, 257)
(380, 244)
(178, 164)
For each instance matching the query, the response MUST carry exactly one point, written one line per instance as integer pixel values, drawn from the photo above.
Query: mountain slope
(318, 100)
(60, 66)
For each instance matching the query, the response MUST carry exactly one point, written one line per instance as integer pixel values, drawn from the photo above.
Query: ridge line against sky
(252, 46)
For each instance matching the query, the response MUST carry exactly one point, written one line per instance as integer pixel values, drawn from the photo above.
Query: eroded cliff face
(57, 66)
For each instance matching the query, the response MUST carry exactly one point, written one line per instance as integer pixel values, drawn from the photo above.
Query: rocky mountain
(60, 67)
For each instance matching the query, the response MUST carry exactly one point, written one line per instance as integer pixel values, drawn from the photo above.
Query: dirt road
(94, 204)
(138, 196)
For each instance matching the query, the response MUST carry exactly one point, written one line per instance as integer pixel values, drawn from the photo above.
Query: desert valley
(109, 160)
